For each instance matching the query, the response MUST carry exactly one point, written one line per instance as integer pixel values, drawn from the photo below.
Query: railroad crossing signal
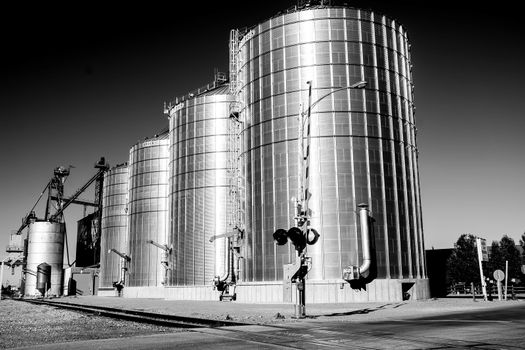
(298, 238)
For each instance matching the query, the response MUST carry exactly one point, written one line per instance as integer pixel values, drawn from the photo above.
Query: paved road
(496, 328)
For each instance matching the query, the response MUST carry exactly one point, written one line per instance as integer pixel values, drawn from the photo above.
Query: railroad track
(139, 316)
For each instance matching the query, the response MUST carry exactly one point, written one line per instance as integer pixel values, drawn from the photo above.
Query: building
(115, 234)
(437, 271)
(199, 185)
(362, 147)
(351, 70)
(148, 210)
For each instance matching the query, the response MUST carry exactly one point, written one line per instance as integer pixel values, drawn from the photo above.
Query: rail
(138, 316)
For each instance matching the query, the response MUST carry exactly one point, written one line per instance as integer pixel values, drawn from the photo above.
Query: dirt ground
(25, 324)
(278, 313)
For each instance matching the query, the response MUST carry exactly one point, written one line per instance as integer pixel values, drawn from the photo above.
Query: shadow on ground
(360, 311)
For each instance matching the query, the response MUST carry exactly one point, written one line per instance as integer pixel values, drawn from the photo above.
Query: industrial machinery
(165, 258)
(226, 284)
(46, 236)
(125, 260)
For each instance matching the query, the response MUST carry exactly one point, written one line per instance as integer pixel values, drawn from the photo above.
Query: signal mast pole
(301, 218)
(302, 235)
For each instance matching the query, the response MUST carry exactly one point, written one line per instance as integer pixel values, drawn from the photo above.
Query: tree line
(463, 265)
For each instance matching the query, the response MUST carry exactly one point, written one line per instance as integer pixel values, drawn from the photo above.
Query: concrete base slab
(325, 291)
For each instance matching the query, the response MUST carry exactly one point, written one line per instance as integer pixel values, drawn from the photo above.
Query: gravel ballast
(25, 324)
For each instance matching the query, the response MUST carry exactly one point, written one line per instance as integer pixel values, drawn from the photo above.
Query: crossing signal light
(298, 238)
(295, 234)
(312, 236)
(280, 236)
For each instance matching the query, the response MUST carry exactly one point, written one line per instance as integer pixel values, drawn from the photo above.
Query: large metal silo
(199, 204)
(148, 210)
(362, 141)
(114, 225)
(45, 245)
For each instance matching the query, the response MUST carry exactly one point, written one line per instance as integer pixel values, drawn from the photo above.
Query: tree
(504, 250)
(462, 265)
(510, 253)
(522, 242)
(496, 260)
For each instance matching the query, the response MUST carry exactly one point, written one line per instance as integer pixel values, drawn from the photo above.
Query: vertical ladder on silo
(235, 183)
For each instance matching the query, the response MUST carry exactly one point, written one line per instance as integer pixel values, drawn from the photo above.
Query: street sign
(499, 275)
(483, 253)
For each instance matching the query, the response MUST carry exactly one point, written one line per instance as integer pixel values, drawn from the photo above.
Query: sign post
(1, 277)
(506, 277)
(481, 244)
(499, 276)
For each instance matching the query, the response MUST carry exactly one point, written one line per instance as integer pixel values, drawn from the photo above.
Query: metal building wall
(45, 245)
(199, 186)
(363, 147)
(114, 224)
(148, 210)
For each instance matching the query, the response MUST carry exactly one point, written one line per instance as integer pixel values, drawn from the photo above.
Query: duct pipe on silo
(365, 240)
(352, 272)
(227, 268)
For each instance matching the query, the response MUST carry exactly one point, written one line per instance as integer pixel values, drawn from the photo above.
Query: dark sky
(88, 80)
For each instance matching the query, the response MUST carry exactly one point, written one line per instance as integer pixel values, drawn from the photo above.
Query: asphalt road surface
(495, 328)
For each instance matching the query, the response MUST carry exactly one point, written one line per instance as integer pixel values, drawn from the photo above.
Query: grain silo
(362, 148)
(199, 205)
(148, 211)
(45, 245)
(114, 226)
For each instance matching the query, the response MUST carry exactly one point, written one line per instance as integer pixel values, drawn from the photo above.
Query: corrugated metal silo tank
(115, 234)
(148, 210)
(362, 149)
(199, 205)
(45, 245)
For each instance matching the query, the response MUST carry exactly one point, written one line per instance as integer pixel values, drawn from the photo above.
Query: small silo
(45, 245)
(362, 146)
(114, 225)
(199, 205)
(148, 210)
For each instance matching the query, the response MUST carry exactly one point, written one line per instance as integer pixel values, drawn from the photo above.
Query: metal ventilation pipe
(227, 268)
(222, 246)
(365, 240)
(353, 272)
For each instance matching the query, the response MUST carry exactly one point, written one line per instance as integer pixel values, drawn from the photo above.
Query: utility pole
(1, 277)
(506, 277)
(481, 258)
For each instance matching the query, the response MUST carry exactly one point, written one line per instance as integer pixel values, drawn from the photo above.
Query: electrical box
(351, 273)
(289, 271)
